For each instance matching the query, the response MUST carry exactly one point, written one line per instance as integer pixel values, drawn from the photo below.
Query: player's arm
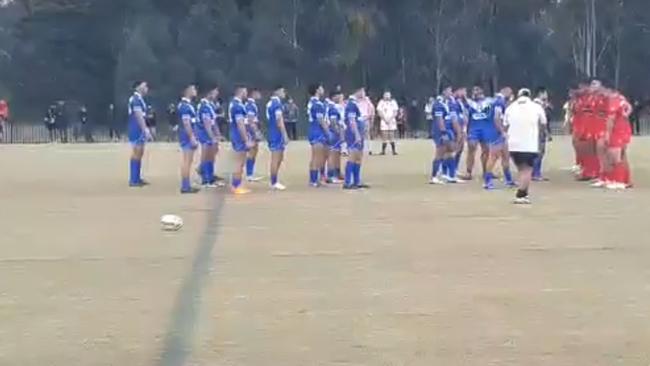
(322, 121)
(139, 112)
(208, 123)
(279, 118)
(440, 120)
(240, 121)
(456, 126)
(498, 120)
(186, 120)
(352, 120)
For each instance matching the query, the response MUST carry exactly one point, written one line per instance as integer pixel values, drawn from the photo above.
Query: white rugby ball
(171, 222)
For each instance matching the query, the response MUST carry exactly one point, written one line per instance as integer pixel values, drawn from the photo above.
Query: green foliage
(91, 50)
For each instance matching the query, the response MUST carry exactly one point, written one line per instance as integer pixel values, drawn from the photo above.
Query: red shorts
(621, 135)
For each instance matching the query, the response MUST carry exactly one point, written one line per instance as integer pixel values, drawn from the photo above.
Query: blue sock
(209, 165)
(322, 172)
(337, 172)
(508, 175)
(185, 184)
(451, 165)
(250, 167)
(457, 158)
(357, 174)
(331, 173)
(488, 178)
(236, 182)
(313, 176)
(134, 171)
(274, 179)
(203, 172)
(435, 167)
(349, 173)
(537, 168)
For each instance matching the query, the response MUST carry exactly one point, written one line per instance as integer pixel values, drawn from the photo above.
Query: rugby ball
(171, 222)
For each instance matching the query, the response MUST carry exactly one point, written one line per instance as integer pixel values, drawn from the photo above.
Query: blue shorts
(336, 142)
(437, 136)
(203, 137)
(239, 146)
(318, 138)
(352, 146)
(252, 134)
(138, 141)
(187, 146)
(485, 135)
(276, 145)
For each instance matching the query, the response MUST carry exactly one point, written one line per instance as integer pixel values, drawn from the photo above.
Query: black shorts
(524, 159)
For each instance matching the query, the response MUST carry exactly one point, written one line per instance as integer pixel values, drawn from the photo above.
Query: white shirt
(523, 118)
(387, 110)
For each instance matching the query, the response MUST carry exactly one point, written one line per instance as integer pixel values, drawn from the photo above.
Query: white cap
(524, 92)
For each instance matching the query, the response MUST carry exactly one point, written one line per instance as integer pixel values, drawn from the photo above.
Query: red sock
(627, 175)
(591, 167)
(618, 173)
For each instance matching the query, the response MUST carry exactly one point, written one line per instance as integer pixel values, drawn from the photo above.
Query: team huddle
(333, 123)
(599, 118)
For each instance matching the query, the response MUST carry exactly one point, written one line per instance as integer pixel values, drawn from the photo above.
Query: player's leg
(440, 149)
(240, 156)
(334, 163)
(604, 163)
(505, 166)
(358, 159)
(524, 163)
(186, 167)
(391, 140)
(250, 163)
(352, 173)
(614, 175)
(317, 158)
(203, 164)
(277, 156)
(135, 164)
(472, 146)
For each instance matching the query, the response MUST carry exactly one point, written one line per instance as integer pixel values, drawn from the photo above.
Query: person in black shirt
(172, 120)
(291, 113)
(61, 121)
(85, 126)
(49, 120)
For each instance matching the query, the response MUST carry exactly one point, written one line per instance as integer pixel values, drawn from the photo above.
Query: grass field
(402, 274)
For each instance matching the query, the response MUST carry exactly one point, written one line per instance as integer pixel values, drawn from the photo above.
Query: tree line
(91, 50)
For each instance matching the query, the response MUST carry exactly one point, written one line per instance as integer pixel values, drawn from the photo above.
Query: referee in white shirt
(524, 120)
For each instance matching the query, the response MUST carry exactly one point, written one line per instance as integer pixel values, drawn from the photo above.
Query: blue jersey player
(354, 132)
(208, 134)
(501, 101)
(337, 126)
(138, 132)
(445, 133)
(460, 95)
(483, 131)
(186, 136)
(253, 127)
(240, 138)
(278, 138)
(319, 133)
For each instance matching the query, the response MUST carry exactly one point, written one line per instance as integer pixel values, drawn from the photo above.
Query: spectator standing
(291, 115)
(387, 110)
(428, 113)
(61, 121)
(402, 120)
(85, 125)
(172, 120)
(413, 113)
(4, 118)
(113, 131)
(50, 122)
